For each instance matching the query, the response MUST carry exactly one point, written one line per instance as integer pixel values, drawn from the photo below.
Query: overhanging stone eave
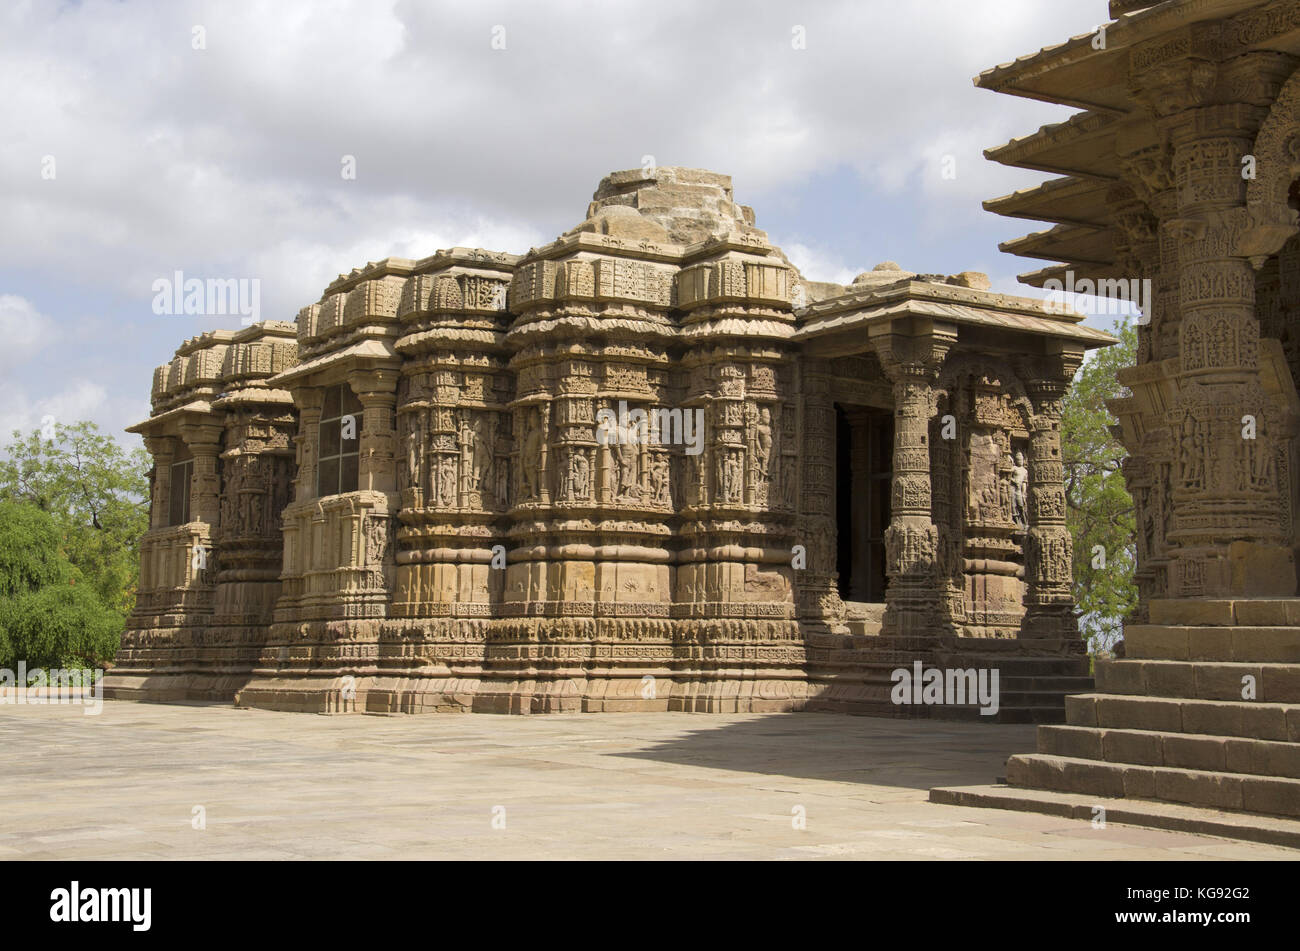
(1016, 78)
(1065, 243)
(164, 423)
(875, 321)
(1058, 271)
(368, 352)
(1037, 203)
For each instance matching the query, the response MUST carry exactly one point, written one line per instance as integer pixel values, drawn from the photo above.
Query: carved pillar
(1049, 547)
(307, 399)
(820, 607)
(1228, 509)
(912, 364)
(163, 451)
(204, 441)
(377, 391)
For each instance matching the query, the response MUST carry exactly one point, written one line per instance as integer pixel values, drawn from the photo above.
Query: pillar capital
(916, 356)
(374, 382)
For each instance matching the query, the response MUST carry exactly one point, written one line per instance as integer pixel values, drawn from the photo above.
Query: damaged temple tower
(401, 504)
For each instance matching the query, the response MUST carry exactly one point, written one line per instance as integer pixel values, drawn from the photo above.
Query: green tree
(96, 491)
(30, 555)
(1099, 510)
(59, 625)
(29, 560)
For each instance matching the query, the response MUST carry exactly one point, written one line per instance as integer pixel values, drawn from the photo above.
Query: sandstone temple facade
(413, 498)
(1183, 168)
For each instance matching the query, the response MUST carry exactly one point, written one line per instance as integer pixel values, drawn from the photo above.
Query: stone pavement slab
(126, 784)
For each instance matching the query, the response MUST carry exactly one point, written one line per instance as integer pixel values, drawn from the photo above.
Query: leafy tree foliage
(97, 493)
(72, 510)
(29, 550)
(1099, 510)
(58, 626)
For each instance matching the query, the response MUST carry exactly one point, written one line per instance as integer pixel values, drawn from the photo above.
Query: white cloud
(23, 330)
(225, 161)
(169, 157)
(25, 408)
(820, 264)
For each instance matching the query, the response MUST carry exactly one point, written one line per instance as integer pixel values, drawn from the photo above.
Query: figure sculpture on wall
(1006, 508)
(626, 452)
(581, 474)
(503, 482)
(481, 462)
(414, 447)
(1020, 492)
(659, 480)
(447, 489)
(789, 487)
(531, 458)
(762, 444)
(467, 435)
(731, 477)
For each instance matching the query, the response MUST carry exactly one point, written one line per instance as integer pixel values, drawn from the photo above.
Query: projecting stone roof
(1087, 148)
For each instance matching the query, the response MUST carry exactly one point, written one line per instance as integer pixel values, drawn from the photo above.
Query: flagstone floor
(212, 782)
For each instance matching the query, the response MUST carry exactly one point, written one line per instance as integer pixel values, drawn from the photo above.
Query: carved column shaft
(1049, 561)
(204, 441)
(377, 391)
(163, 451)
(912, 363)
(1227, 511)
(819, 598)
(308, 401)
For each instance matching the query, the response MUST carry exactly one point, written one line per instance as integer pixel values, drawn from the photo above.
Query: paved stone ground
(635, 786)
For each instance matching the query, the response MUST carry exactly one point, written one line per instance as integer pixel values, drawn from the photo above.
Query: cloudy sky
(130, 154)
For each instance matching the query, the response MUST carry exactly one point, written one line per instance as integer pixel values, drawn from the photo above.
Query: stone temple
(438, 489)
(1183, 168)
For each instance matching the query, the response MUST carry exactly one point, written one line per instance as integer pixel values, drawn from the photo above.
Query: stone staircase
(1202, 712)
(853, 673)
(1030, 689)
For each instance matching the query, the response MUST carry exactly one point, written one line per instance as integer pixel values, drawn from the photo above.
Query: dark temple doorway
(864, 469)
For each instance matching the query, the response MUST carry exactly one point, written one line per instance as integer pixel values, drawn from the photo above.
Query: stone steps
(1138, 812)
(1226, 612)
(1005, 714)
(1238, 792)
(1201, 751)
(1242, 644)
(1050, 684)
(1168, 726)
(1273, 683)
(1264, 721)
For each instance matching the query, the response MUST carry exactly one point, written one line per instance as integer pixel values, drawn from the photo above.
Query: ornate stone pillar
(377, 391)
(307, 399)
(1049, 547)
(912, 364)
(204, 441)
(1228, 505)
(820, 607)
(163, 451)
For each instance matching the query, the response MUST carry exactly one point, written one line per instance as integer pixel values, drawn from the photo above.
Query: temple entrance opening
(863, 475)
